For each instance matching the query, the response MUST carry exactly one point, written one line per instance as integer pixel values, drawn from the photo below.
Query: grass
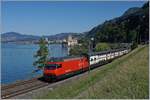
(125, 78)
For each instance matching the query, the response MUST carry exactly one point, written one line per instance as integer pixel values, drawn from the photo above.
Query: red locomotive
(58, 68)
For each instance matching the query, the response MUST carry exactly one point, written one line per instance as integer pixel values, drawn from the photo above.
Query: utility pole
(92, 39)
(89, 47)
(90, 52)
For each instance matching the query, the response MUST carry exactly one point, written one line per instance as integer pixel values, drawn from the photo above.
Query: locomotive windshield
(52, 66)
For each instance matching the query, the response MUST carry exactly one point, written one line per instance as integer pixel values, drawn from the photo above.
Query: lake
(17, 59)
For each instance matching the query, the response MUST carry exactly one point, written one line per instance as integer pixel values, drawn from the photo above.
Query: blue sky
(48, 18)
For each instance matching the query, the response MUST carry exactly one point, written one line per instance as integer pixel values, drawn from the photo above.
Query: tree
(78, 50)
(134, 45)
(42, 54)
(132, 35)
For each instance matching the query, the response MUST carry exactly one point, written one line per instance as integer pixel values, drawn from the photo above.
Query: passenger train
(58, 68)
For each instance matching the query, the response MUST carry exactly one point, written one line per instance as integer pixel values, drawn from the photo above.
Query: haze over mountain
(16, 37)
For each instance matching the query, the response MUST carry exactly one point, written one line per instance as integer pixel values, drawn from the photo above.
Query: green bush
(78, 50)
(102, 47)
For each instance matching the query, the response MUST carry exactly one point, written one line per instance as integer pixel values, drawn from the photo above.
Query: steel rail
(22, 91)
(17, 84)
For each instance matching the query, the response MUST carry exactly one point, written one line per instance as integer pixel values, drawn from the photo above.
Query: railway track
(22, 87)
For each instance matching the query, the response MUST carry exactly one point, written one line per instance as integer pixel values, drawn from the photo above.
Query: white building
(72, 41)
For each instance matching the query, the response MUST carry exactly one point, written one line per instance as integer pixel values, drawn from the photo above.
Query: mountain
(62, 36)
(131, 11)
(14, 36)
(132, 24)
(18, 37)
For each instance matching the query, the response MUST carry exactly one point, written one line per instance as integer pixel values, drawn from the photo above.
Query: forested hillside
(133, 25)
